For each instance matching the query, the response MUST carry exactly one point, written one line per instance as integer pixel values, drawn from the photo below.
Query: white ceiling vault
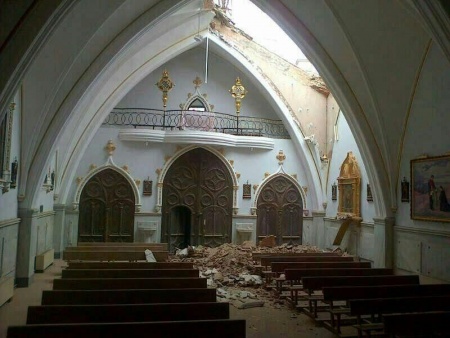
(74, 61)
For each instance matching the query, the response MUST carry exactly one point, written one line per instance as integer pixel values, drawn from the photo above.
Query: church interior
(165, 122)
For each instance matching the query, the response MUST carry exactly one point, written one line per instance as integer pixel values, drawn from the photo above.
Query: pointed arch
(108, 165)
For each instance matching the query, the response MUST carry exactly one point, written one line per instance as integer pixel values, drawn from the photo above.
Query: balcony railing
(197, 120)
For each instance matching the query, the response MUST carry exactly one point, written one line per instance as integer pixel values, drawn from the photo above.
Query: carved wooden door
(280, 211)
(106, 209)
(199, 181)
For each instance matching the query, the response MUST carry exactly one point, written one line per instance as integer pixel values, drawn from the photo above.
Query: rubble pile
(231, 264)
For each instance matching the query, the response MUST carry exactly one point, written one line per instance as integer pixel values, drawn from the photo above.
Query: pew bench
(378, 307)
(118, 248)
(129, 265)
(128, 283)
(278, 268)
(137, 296)
(421, 324)
(267, 261)
(129, 273)
(221, 328)
(151, 246)
(294, 277)
(108, 256)
(58, 314)
(331, 295)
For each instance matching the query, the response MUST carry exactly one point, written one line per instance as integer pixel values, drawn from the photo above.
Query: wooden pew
(129, 265)
(314, 281)
(56, 314)
(294, 276)
(376, 307)
(151, 246)
(277, 268)
(258, 255)
(220, 328)
(137, 296)
(421, 324)
(129, 273)
(159, 247)
(349, 293)
(105, 256)
(267, 261)
(128, 283)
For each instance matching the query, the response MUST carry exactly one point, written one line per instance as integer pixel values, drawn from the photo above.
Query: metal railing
(197, 120)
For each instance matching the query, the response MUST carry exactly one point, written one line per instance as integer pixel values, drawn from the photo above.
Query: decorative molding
(281, 157)
(422, 231)
(189, 137)
(109, 164)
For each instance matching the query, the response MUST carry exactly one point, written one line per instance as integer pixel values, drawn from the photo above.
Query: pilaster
(26, 246)
(319, 228)
(383, 234)
(58, 230)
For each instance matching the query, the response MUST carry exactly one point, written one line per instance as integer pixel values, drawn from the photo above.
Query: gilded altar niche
(349, 185)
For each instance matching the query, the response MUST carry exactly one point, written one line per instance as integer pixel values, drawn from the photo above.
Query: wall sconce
(47, 182)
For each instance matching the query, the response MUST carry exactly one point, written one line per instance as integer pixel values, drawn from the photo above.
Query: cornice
(196, 137)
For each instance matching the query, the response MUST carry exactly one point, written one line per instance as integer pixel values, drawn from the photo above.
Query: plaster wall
(422, 246)
(8, 200)
(345, 143)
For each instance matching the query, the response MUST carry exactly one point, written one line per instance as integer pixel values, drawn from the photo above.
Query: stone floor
(266, 321)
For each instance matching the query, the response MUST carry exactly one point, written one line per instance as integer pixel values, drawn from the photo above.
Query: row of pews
(350, 298)
(98, 297)
(110, 252)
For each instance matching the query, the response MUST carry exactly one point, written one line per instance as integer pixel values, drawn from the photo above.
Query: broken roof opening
(263, 30)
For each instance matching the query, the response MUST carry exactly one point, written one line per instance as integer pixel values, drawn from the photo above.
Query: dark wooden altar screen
(197, 201)
(107, 206)
(280, 211)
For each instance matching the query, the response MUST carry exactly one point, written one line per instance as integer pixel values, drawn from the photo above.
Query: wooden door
(199, 181)
(106, 209)
(280, 211)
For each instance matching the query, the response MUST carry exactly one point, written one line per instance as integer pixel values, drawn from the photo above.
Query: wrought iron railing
(197, 120)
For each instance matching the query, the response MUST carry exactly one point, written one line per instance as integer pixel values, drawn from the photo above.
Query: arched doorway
(106, 209)
(198, 185)
(280, 211)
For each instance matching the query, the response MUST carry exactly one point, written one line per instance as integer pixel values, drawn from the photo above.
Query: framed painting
(148, 187)
(430, 186)
(247, 191)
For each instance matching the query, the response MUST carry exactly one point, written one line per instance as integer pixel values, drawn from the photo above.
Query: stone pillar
(26, 246)
(383, 234)
(58, 229)
(319, 229)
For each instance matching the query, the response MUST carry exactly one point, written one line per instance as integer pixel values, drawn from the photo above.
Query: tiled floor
(262, 322)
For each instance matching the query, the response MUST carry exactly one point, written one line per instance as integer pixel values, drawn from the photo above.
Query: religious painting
(334, 192)
(430, 186)
(247, 191)
(148, 185)
(405, 190)
(369, 193)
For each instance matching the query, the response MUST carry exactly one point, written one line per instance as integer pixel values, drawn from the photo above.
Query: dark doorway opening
(181, 219)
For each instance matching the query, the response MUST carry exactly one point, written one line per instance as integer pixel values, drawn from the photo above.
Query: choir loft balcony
(196, 127)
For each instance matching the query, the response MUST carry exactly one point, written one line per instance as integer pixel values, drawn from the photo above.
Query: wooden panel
(280, 211)
(106, 209)
(197, 201)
